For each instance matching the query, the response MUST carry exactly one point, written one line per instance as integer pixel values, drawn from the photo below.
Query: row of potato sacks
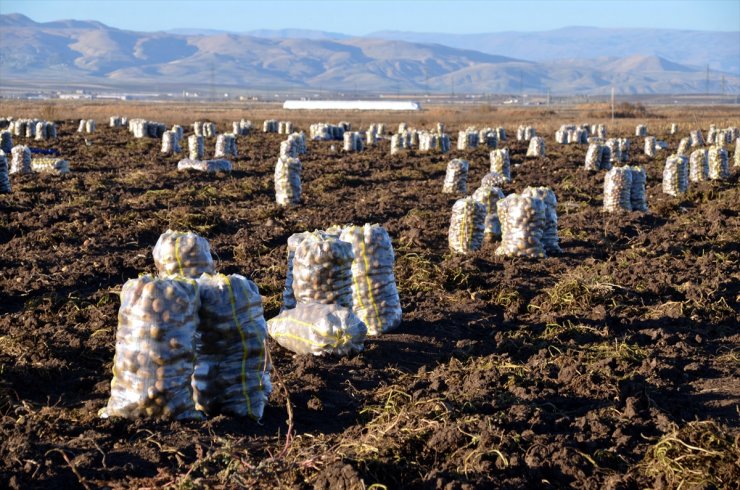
(190, 342)
(339, 287)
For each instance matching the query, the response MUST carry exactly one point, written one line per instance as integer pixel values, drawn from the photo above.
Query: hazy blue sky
(362, 17)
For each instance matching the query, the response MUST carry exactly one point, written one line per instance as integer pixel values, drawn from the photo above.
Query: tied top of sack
(183, 253)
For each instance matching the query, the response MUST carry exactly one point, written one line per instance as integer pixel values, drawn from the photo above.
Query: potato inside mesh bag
(489, 196)
(374, 292)
(182, 253)
(322, 270)
(155, 356)
(232, 370)
(550, 229)
(288, 295)
(522, 222)
(318, 329)
(467, 224)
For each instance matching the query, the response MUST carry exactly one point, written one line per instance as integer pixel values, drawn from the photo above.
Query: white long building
(353, 105)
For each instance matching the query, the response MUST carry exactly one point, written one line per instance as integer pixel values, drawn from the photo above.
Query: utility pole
(612, 104)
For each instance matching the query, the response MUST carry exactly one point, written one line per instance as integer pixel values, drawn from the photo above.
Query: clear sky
(363, 17)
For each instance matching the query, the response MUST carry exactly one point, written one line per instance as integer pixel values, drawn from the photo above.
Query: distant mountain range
(578, 60)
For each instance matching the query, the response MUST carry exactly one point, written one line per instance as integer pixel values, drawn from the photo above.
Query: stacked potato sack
(242, 127)
(549, 237)
(737, 153)
(50, 165)
(456, 178)
(683, 147)
(493, 179)
(285, 127)
(115, 122)
(618, 189)
(711, 134)
(488, 197)
(179, 132)
(195, 147)
(522, 223)
(641, 130)
(699, 165)
(4, 179)
(6, 141)
(155, 355)
(624, 149)
(270, 126)
(467, 225)
(45, 130)
(396, 144)
(170, 143)
(650, 146)
(467, 139)
(86, 126)
(353, 141)
(501, 163)
(718, 164)
(209, 129)
(536, 147)
(231, 371)
(612, 152)
(525, 133)
(208, 166)
(375, 298)
(501, 133)
(139, 127)
(489, 137)
(675, 175)
(322, 321)
(226, 145)
(288, 295)
(183, 254)
(638, 195)
(674, 128)
(562, 135)
(288, 181)
(21, 160)
(696, 138)
(594, 157)
(155, 129)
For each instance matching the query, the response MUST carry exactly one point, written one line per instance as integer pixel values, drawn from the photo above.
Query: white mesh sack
(641, 130)
(522, 221)
(5, 187)
(501, 162)
(225, 145)
(489, 196)
(232, 369)
(195, 147)
(467, 225)
(170, 143)
(322, 270)
(288, 181)
(550, 241)
(618, 190)
(696, 138)
(154, 359)
(675, 175)
(374, 292)
(593, 157)
(21, 160)
(624, 149)
(737, 153)
(638, 196)
(699, 165)
(718, 164)
(207, 166)
(456, 178)
(318, 329)
(683, 147)
(6, 141)
(182, 253)
(50, 165)
(493, 179)
(536, 147)
(650, 146)
(288, 296)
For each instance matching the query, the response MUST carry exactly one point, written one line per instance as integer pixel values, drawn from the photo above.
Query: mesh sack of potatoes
(549, 239)
(5, 187)
(650, 146)
(501, 162)
(697, 139)
(536, 147)
(618, 190)
(467, 226)
(50, 165)
(207, 166)
(6, 141)
(232, 369)
(456, 178)
(675, 175)
(182, 253)
(638, 196)
(640, 130)
(226, 145)
(288, 295)
(318, 329)
(322, 270)
(489, 196)
(683, 147)
(395, 144)
(288, 181)
(522, 221)
(737, 153)
(674, 128)
(718, 164)
(699, 165)
(493, 179)
(593, 157)
(154, 359)
(613, 153)
(624, 149)
(374, 292)
(20, 162)
(170, 143)
(195, 147)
